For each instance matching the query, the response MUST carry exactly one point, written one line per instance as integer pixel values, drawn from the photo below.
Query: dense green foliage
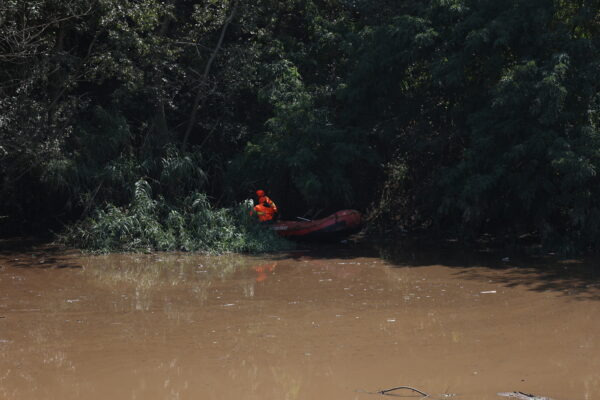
(462, 117)
(191, 224)
(498, 103)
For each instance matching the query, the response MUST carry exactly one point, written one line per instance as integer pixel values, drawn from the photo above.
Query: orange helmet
(260, 193)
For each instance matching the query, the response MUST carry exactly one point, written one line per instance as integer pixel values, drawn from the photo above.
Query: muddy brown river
(334, 323)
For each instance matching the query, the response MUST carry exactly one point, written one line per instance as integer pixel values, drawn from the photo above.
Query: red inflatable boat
(340, 223)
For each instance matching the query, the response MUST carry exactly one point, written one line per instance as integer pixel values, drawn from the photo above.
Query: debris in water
(404, 387)
(488, 291)
(386, 392)
(523, 396)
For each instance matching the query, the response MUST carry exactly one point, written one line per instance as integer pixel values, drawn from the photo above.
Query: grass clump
(188, 224)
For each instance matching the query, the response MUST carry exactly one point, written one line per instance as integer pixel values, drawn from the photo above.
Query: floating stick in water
(523, 396)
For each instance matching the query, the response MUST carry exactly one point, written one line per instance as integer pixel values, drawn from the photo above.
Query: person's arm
(272, 204)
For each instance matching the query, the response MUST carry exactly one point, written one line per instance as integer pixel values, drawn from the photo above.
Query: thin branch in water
(523, 396)
(404, 387)
(386, 392)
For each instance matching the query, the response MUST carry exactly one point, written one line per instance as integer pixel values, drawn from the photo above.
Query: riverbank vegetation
(146, 123)
(191, 224)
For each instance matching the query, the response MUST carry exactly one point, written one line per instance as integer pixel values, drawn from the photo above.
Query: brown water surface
(314, 324)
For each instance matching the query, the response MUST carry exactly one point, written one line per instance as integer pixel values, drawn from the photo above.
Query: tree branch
(192, 120)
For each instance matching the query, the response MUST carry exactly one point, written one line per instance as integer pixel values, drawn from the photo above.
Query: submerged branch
(386, 391)
(523, 396)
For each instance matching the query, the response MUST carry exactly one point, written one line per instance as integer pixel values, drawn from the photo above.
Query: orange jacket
(266, 199)
(264, 213)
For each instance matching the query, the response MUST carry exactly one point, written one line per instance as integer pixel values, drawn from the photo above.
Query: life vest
(264, 213)
(271, 203)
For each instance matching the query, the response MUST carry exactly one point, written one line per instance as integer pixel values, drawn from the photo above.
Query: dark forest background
(455, 117)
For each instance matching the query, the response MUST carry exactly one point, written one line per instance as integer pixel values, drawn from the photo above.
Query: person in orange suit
(263, 198)
(266, 208)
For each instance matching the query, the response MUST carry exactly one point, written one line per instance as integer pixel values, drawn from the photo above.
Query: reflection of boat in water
(337, 224)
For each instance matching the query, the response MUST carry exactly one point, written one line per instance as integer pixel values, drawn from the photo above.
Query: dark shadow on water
(576, 278)
(33, 253)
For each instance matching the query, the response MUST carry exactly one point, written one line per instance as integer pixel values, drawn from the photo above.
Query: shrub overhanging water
(190, 224)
